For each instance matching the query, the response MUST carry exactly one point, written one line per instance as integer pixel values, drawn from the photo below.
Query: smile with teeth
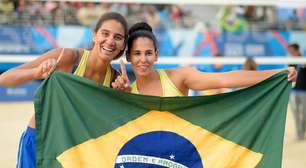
(142, 67)
(107, 49)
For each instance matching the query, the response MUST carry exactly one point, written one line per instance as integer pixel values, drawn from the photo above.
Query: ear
(127, 56)
(94, 36)
(157, 55)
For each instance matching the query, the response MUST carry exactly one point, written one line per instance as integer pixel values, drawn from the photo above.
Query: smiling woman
(143, 53)
(109, 37)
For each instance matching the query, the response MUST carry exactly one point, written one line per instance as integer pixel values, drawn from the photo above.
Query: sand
(14, 117)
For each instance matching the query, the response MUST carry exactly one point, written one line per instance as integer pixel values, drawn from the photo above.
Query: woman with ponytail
(142, 53)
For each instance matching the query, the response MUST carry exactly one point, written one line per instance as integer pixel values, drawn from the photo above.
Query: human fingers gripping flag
(104, 128)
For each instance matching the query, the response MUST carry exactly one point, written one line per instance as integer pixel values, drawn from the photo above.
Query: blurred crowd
(28, 12)
(262, 18)
(231, 18)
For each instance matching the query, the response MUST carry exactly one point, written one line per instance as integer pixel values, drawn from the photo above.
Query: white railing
(287, 3)
(184, 60)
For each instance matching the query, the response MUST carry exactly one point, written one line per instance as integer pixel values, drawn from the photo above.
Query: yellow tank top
(168, 87)
(80, 70)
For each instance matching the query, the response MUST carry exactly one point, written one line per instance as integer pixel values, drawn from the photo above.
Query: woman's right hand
(122, 82)
(45, 68)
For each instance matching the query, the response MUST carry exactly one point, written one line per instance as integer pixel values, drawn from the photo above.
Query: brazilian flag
(81, 124)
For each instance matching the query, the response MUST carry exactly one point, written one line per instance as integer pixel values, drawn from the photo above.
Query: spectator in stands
(135, 13)
(298, 96)
(6, 6)
(105, 7)
(23, 12)
(152, 16)
(250, 64)
(164, 14)
(50, 8)
(121, 8)
(6, 10)
(231, 19)
(176, 15)
(68, 13)
(58, 14)
(88, 14)
(37, 13)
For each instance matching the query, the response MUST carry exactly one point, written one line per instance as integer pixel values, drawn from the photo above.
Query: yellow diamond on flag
(108, 150)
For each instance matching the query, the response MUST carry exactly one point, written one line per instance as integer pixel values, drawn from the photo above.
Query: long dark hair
(119, 18)
(140, 29)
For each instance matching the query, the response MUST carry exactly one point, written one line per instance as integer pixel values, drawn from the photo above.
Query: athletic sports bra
(81, 67)
(168, 87)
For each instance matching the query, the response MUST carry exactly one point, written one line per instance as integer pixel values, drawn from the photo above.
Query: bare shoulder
(181, 71)
(178, 76)
(67, 57)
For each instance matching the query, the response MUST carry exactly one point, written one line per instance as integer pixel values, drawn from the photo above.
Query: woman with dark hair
(109, 38)
(142, 53)
(298, 94)
(250, 64)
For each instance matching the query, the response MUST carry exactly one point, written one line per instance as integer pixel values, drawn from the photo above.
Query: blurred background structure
(214, 36)
(196, 32)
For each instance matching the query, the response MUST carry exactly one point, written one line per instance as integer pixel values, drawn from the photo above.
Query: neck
(147, 80)
(96, 65)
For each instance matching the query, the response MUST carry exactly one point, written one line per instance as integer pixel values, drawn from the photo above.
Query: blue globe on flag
(158, 149)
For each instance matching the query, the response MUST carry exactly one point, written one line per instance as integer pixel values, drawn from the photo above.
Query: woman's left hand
(292, 74)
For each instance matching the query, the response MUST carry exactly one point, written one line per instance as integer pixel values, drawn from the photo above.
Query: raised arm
(39, 68)
(197, 80)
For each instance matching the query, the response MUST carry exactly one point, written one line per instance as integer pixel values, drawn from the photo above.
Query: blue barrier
(23, 92)
(172, 42)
